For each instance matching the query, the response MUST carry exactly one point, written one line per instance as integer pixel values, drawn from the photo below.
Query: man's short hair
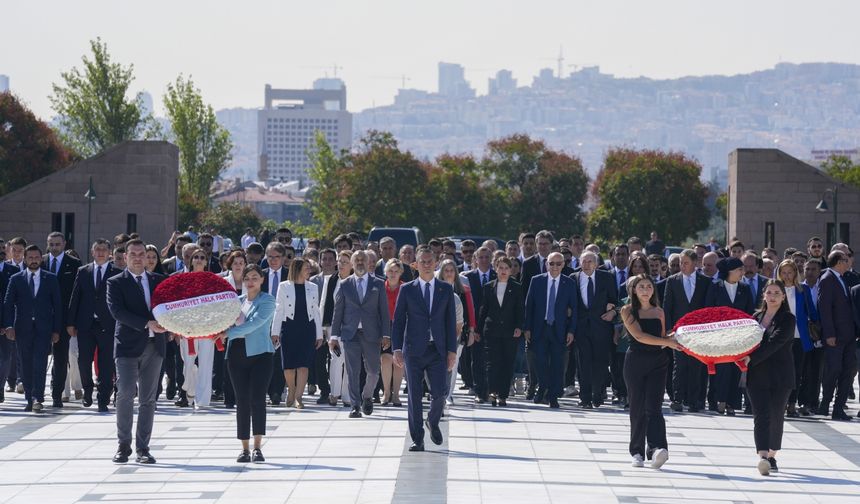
(834, 257)
(341, 238)
(134, 243)
(468, 243)
(387, 239)
(634, 240)
(183, 238)
(736, 244)
(56, 234)
(255, 248)
(277, 247)
(31, 248)
(545, 234)
(18, 241)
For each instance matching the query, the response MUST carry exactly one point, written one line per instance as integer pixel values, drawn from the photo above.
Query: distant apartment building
(452, 81)
(287, 125)
(4, 83)
(504, 82)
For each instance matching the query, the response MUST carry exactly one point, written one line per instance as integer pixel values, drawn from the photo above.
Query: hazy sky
(233, 48)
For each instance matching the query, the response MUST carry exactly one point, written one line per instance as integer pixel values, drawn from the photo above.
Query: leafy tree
(204, 145)
(95, 112)
(463, 202)
(190, 210)
(843, 169)
(540, 187)
(231, 219)
(642, 191)
(29, 148)
(328, 197)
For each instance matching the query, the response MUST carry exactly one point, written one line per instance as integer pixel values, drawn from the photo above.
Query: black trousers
(534, 372)
(320, 374)
(464, 366)
(60, 367)
(768, 407)
(173, 368)
(592, 352)
(277, 381)
(218, 373)
(102, 339)
(689, 379)
(616, 368)
(501, 353)
(12, 378)
(810, 381)
(570, 370)
(727, 385)
(479, 368)
(799, 357)
(645, 376)
(250, 377)
(840, 364)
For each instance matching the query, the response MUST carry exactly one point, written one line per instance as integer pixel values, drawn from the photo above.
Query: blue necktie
(484, 278)
(427, 295)
(360, 289)
(550, 304)
(590, 292)
(32, 285)
(54, 265)
(275, 286)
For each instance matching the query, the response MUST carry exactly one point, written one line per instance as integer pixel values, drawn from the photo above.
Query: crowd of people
(541, 318)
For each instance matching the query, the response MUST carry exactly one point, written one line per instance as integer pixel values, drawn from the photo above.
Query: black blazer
(531, 268)
(717, 296)
(88, 300)
(500, 321)
(283, 277)
(128, 306)
(6, 272)
(67, 271)
(22, 311)
(169, 265)
(771, 365)
(675, 304)
(605, 292)
(834, 307)
(474, 278)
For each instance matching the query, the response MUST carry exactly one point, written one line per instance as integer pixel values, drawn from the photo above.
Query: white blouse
(500, 291)
(792, 304)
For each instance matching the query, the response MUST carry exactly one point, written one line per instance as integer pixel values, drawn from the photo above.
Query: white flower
(721, 339)
(200, 316)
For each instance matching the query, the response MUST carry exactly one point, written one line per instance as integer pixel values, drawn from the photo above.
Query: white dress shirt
(36, 280)
(272, 281)
(146, 294)
(500, 291)
(689, 285)
(732, 290)
(583, 286)
(59, 261)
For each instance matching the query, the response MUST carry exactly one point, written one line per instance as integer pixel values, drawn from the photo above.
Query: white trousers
(73, 378)
(198, 378)
(338, 376)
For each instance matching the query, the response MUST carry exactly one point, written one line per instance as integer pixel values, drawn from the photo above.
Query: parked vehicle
(402, 235)
(458, 239)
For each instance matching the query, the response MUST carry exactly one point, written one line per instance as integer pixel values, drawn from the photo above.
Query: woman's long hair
(458, 287)
(159, 268)
(632, 282)
(783, 307)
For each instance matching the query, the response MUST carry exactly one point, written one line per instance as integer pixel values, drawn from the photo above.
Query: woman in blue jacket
(800, 301)
(249, 359)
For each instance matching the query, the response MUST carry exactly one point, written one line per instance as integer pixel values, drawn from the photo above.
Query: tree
(540, 187)
(327, 198)
(204, 145)
(29, 148)
(843, 169)
(231, 219)
(463, 202)
(642, 191)
(95, 112)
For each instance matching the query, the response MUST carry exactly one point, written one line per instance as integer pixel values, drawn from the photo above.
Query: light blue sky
(233, 48)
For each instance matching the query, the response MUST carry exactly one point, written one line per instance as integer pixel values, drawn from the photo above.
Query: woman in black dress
(645, 369)
(500, 324)
(770, 378)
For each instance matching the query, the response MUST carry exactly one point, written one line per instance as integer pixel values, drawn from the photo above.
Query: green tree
(204, 145)
(231, 219)
(94, 108)
(29, 148)
(539, 187)
(328, 197)
(463, 202)
(843, 169)
(642, 191)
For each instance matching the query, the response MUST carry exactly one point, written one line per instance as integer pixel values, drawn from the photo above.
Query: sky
(232, 49)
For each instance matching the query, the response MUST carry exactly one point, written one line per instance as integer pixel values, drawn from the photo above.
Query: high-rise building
(4, 83)
(147, 108)
(288, 123)
(452, 81)
(503, 83)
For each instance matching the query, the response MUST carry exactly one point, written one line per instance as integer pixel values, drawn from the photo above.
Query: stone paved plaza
(524, 453)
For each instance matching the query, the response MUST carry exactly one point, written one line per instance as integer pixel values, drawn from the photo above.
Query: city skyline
(232, 52)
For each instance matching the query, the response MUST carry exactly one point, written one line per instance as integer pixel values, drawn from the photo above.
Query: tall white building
(4, 83)
(287, 124)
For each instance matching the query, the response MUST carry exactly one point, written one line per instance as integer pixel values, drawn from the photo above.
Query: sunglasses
(283, 239)
(556, 264)
(205, 244)
(203, 258)
(288, 257)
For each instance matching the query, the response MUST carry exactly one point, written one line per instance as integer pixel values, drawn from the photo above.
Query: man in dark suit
(685, 292)
(473, 357)
(178, 262)
(139, 347)
(551, 306)
(65, 267)
(752, 267)
(278, 258)
(839, 332)
(362, 324)
(424, 338)
(536, 264)
(597, 300)
(7, 346)
(91, 322)
(33, 316)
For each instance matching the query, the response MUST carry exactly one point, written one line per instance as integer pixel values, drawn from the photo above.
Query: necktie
(623, 276)
(32, 284)
(688, 287)
(427, 295)
(550, 304)
(140, 284)
(485, 278)
(361, 289)
(99, 279)
(589, 291)
(275, 281)
(543, 266)
(575, 263)
(179, 265)
(54, 265)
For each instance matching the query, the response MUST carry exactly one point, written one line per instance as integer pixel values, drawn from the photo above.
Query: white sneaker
(638, 461)
(660, 456)
(763, 467)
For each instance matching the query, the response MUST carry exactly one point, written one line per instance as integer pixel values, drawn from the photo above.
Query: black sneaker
(773, 467)
(258, 456)
(244, 457)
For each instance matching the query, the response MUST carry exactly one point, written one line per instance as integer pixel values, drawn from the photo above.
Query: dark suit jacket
(169, 265)
(834, 308)
(762, 280)
(565, 310)
(500, 321)
(127, 304)
(214, 264)
(717, 296)
(283, 277)
(771, 365)
(66, 273)
(21, 310)
(88, 300)
(5, 274)
(675, 304)
(474, 278)
(605, 292)
(413, 325)
(531, 268)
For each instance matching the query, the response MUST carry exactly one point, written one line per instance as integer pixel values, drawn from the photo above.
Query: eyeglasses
(205, 244)
(203, 258)
(288, 257)
(273, 256)
(555, 264)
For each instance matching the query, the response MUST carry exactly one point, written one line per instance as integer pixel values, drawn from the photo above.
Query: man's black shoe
(586, 405)
(143, 457)
(103, 408)
(840, 415)
(87, 401)
(367, 407)
(417, 447)
(553, 403)
(121, 455)
(355, 413)
(435, 433)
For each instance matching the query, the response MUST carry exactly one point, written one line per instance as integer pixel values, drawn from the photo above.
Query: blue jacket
(565, 308)
(22, 310)
(257, 327)
(413, 325)
(805, 311)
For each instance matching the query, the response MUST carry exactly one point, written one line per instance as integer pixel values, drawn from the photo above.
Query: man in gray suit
(362, 323)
